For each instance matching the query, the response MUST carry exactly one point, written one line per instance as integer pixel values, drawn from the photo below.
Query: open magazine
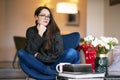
(81, 75)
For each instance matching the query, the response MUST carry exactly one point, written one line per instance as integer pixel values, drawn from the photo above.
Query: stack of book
(79, 71)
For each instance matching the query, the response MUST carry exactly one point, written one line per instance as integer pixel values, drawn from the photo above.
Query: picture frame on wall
(73, 19)
(114, 2)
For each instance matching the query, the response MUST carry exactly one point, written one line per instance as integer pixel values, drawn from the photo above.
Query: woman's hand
(41, 29)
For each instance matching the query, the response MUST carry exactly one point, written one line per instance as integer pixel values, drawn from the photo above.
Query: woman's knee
(26, 57)
(73, 55)
(71, 52)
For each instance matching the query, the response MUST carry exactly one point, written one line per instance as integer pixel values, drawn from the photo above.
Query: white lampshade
(64, 7)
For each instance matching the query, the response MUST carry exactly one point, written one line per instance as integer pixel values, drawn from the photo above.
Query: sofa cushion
(115, 66)
(110, 57)
(71, 40)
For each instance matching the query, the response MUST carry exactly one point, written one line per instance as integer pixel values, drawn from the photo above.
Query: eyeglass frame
(44, 16)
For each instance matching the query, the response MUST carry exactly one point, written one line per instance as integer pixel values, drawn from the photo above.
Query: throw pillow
(115, 66)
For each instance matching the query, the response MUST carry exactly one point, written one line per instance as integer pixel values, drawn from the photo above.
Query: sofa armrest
(82, 57)
(110, 57)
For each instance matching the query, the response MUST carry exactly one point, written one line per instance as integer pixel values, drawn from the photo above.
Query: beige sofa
(114, 61)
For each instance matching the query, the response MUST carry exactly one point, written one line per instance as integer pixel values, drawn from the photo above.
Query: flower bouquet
(101, 45)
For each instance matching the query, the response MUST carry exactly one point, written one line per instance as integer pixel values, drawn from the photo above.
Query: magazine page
(81, 75)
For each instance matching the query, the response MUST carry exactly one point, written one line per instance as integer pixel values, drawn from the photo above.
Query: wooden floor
(7, 72)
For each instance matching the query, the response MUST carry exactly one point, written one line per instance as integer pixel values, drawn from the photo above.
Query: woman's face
(44, 17)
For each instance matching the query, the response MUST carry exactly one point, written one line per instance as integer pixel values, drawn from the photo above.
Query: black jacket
(35, 44)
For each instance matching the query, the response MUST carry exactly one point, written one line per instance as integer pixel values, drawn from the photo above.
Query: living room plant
(102, 46)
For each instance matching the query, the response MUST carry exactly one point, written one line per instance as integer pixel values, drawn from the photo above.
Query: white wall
(2, 28)
(103, 19)
(16, 20)
(95, 17)
(112, 20)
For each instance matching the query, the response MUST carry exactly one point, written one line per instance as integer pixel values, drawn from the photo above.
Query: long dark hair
(52, 28)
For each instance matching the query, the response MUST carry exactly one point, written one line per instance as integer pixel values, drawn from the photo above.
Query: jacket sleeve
(34, 41)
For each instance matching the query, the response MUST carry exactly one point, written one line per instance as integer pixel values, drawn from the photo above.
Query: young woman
(45, 43)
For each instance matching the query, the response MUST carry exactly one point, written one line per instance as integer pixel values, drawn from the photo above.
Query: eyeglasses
(44, 16)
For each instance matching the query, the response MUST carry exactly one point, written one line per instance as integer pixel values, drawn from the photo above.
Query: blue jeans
(45, 72)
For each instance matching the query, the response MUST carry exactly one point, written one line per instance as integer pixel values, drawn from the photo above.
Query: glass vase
(101, 63)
